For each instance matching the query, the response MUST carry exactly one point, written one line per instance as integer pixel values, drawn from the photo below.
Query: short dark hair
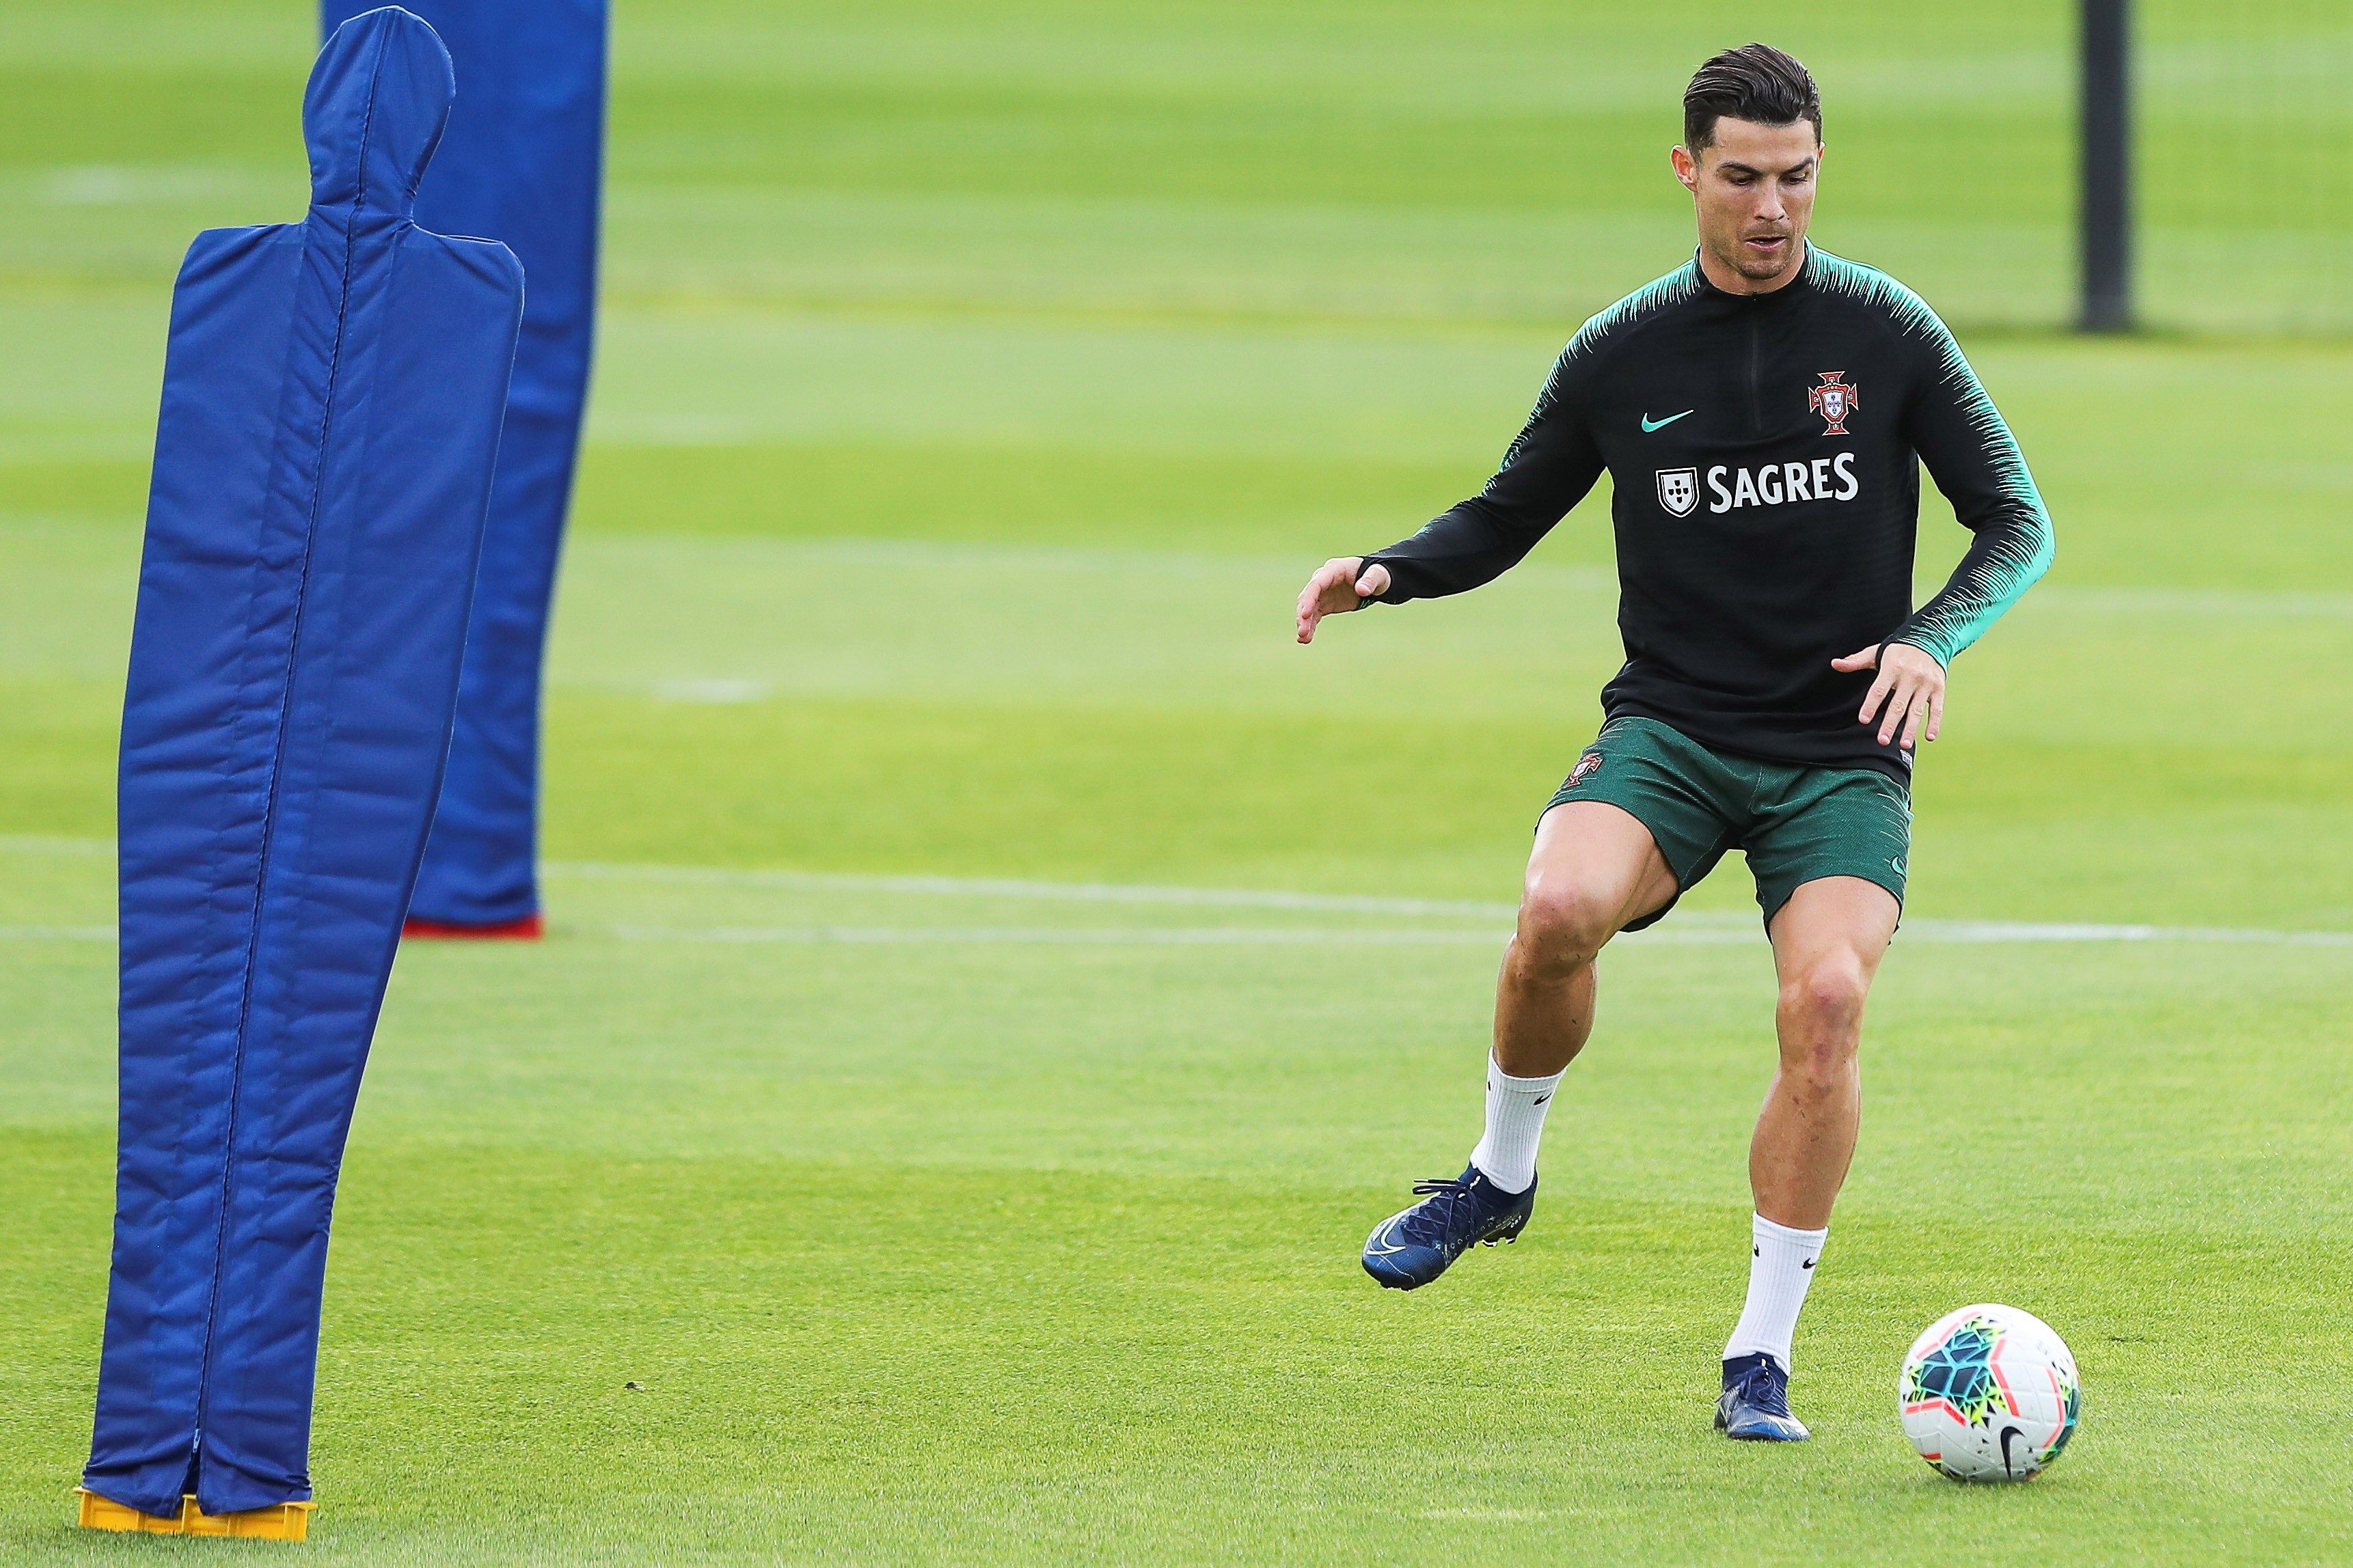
(1755, 82)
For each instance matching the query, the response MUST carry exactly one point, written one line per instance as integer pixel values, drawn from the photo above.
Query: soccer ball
(1990, 1394)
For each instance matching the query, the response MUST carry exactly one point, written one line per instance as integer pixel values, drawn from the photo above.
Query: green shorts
(1797, 824)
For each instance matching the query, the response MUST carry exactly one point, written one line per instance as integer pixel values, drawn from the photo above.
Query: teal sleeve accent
(1970, 453)
(2014, 542)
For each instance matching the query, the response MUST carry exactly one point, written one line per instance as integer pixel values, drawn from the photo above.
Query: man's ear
(1686, 167)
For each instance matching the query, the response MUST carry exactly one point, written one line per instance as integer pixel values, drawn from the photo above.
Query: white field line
(1682, 927)
(1694, 927)
(1069, 936)
(45, 844)
(2040, 931)
(1000, 888)
(1940, 933)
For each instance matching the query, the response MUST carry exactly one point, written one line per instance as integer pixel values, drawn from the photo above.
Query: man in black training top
(1763, 411)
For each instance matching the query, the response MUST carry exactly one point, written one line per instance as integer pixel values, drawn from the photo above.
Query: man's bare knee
(1824, 1000)
(1562, 925)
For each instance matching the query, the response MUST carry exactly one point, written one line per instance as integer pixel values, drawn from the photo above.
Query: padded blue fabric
(523, 162)
(333, 392)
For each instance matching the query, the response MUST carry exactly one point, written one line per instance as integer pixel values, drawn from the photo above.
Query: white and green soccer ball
(1990, 1394)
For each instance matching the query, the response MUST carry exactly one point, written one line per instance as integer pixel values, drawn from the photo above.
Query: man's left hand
(1911, 689)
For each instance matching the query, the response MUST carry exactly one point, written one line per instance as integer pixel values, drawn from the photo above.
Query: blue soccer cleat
(1415, 1247)
(1756, 1403)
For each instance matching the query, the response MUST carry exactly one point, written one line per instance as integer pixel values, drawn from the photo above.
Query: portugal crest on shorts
(1679, 491)
(1833, 400)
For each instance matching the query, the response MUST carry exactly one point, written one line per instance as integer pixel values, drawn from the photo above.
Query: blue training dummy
(333, 394)
(523, 163)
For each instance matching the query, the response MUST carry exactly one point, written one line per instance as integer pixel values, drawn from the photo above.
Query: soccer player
(1763, 411)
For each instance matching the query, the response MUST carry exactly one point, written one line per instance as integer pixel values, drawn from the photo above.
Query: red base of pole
(528, 929)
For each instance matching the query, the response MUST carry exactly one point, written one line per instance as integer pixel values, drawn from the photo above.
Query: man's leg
(1827, 941)
(1594, 869)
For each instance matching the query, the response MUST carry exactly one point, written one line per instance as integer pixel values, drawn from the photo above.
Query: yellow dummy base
(280, 1521)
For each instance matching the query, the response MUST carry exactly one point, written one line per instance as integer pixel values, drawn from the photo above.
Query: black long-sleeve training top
(1764, 451)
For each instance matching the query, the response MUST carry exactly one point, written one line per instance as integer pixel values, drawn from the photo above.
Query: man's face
(1754, 186)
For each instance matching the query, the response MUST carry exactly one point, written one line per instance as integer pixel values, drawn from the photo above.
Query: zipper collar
(1802, 283)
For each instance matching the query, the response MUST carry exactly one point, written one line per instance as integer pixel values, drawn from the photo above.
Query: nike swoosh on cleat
(1650, 424)
(1378, 1243)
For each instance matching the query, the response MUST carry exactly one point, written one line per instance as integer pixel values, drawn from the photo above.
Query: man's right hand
(1337, 587)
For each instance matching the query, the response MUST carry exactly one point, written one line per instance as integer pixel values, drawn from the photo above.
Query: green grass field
(996, 979)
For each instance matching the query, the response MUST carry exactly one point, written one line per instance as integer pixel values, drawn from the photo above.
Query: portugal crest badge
(1833, 400)
(1679, 491)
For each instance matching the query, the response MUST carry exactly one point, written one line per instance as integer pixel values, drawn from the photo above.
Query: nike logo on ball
(1650, 424)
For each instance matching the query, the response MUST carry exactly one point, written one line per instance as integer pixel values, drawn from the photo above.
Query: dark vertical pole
(2105, 171)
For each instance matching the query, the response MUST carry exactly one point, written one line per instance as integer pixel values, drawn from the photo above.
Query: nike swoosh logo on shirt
(1650, 424)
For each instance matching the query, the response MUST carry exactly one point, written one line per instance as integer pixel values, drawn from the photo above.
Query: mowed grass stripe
(2217, 824)
(934, 1363)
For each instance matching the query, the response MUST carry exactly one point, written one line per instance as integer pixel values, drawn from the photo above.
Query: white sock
(1506, 1155)
(1780, 1266)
